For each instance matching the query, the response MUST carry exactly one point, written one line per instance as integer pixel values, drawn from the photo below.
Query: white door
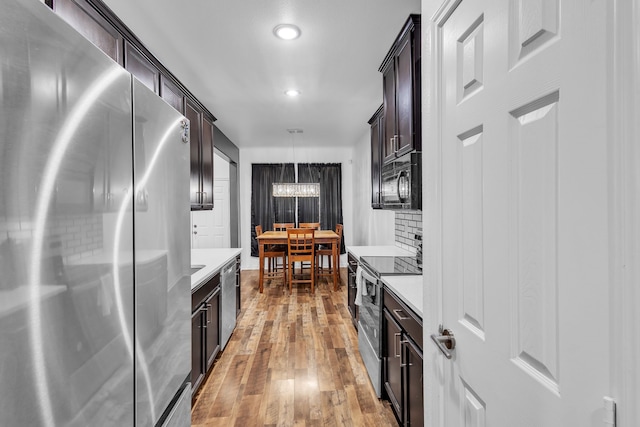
(202, 227)
(221, 214)
(524, 270)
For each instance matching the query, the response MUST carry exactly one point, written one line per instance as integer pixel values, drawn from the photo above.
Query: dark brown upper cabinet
(201, 141)
(171, 93)
(141, 67)
(91, 24)
(376, 157)
(402, 93)
(207, 163)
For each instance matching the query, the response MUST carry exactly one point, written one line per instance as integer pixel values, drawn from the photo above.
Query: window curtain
(266, 209)
(329, 175)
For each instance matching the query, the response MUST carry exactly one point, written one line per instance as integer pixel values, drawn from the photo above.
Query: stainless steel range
(369, 299)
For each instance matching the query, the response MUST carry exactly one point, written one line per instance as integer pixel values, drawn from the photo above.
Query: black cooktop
(392, 265)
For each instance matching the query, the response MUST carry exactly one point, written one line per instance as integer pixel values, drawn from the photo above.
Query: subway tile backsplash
(408, 224)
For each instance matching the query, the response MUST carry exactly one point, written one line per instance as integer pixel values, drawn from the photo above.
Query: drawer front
(408, 320)
(200, 294)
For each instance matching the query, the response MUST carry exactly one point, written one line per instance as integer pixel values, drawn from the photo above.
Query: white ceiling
(226, 54)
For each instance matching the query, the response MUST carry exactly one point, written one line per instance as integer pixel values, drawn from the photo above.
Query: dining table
(321, 237)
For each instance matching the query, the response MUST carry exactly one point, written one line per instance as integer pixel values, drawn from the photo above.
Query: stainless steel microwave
(402, 182)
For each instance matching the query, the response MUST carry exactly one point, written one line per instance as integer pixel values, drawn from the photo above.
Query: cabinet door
(376, 162)
(88, 22)
(238, 288)
(197, 338)
(171, 93)
(392, 357)
(207, 163)
(389, 121)
(212, 340)
(404, 97)
(143, 69)
(413, 392)
(351, 295)
(195, 118)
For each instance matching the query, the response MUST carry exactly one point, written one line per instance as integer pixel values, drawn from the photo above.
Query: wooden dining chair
(276, 260)
(282, 226)
(301, 248)
(327, 251)
(314, 225)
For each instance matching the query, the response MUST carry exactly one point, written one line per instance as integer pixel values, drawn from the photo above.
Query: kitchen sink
(196, 268)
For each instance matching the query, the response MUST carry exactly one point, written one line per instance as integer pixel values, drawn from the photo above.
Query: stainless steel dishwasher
(228, 302)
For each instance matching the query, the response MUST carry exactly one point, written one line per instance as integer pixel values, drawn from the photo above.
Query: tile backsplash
(408, 224)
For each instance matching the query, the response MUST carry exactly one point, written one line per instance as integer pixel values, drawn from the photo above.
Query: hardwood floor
(292, 360)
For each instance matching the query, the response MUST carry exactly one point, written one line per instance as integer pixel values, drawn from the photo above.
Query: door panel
(393, 363)
(404, 95)
(195, 118)
(202, 230)
(389, 120)
(221, 214)
(533, 198)
(524, 208)
(138, 65)
(207, 164)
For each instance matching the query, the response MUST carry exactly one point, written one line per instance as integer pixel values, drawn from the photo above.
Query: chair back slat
(258, 230)
(314, 225)
(301, 241)
(282, 226)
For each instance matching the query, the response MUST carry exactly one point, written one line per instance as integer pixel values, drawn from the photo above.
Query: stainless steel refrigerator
(94, 235)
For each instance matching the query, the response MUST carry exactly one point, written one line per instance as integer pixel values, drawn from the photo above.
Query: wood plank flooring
(292, 360)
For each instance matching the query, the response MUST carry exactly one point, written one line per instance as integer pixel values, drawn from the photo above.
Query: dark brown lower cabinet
(238, 289)
(414, 389)
(402, 361)
(205, 330)
(212, 327)
(197, 367)
(393, 364)
(352, 289)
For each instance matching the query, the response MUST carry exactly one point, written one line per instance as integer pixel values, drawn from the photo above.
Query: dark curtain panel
(266, 209)
(329, 175)
(308, 206)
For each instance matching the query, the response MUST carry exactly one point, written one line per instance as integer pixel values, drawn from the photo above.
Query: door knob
(445, 341)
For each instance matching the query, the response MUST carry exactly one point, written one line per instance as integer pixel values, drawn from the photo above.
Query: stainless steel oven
(402, 182)
(370, 308)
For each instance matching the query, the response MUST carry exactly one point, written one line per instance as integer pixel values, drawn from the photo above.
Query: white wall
(373, 226)
(343, 155)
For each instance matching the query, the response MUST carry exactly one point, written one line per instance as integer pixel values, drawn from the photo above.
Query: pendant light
(294, 189)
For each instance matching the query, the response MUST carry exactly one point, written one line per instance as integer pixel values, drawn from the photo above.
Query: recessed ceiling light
(287, 31)
(292, 92)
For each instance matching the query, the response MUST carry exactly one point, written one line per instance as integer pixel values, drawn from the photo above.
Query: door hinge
(609, 412)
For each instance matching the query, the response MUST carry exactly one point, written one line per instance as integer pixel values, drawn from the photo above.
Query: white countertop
(360, 251)
(408, 288)
(213, 261)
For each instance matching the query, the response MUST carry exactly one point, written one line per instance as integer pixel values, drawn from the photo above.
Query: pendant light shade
(296, 189)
